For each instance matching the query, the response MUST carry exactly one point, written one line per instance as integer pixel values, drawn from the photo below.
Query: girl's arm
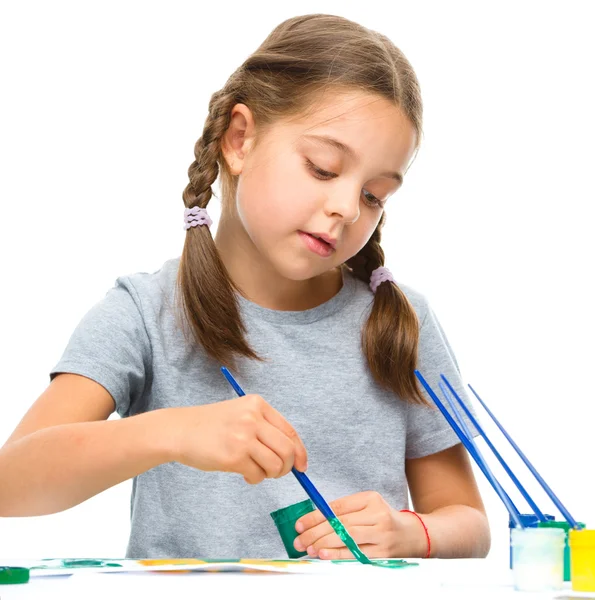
(445, 495)
(64, 451)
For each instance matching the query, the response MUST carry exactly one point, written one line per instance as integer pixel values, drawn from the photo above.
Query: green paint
(287, 560)
(389, 563)
(220, 560)
(73, 563)
(69, 564)
(359, 555)
(349, 541)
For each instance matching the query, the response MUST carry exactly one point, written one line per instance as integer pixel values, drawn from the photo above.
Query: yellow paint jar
(582, 559)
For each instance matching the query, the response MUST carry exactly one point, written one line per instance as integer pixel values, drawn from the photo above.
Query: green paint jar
(285, 520)
(566, 527)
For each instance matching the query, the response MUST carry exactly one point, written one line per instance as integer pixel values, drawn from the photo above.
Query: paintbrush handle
(491, 446)
(476, 455)
(303, 479)
(314, 494)
(531, 468)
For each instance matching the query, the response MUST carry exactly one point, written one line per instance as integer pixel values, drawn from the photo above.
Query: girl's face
(294, 183)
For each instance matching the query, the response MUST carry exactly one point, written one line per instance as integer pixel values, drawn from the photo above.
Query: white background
(102, 103)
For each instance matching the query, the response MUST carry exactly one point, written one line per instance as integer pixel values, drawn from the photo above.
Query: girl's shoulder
(418, 300)
(151, 288)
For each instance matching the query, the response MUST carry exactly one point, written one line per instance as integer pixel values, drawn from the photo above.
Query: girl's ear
(238, 138)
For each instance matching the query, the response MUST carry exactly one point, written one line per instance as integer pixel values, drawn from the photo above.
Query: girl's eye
(369, 199)
(319, 173)
(372, 200)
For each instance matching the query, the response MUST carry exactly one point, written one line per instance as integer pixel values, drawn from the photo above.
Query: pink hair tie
(378, 276)
(196, 216)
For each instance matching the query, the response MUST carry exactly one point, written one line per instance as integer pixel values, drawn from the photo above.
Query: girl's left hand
(379, 530)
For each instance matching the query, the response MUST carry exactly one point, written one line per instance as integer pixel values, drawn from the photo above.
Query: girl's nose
(344, 203)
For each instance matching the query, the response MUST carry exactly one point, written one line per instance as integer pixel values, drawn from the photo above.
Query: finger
(370, 550)
(310, 536)
(362, 534)
(279, 443)
(352, 503)
(266, 459)
(343, 506)
(275, 418)
(252, 472)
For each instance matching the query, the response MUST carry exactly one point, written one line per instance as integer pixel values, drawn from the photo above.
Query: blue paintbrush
(314, 494)
(305, 482)
(508, 470)
(474, 452)
(531, 468)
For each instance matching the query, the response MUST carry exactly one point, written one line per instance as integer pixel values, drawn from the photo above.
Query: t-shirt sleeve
(110, 345)
(428, 431)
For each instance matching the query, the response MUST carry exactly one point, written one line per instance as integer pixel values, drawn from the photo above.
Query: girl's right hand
(245, 435)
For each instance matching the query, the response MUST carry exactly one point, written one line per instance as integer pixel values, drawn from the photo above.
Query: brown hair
(300, 57)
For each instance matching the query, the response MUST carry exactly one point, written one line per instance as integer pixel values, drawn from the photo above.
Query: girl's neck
(261, 283)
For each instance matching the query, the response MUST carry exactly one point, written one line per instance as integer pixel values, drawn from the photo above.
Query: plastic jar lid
(529, 520)
(10, 575)
(559, 525)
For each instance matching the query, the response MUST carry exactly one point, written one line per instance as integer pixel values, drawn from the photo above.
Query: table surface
(456, 579)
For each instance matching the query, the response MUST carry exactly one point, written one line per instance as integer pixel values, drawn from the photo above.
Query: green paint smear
(389, 563)
(349, 541)
(359, 555)
(74, 563)
(220, 560)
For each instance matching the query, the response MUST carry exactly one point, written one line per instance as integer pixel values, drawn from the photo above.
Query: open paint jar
(285, 520)
(538, 559)
(565, 526)
(528, 520)
(582, 559)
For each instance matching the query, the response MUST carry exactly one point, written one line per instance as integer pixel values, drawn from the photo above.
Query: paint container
(285, 520)
(13, 575)
(538, 559)
(528, 520)
(565, 526)
(582, 559)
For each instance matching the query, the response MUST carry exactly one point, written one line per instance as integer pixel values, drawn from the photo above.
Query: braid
(207, 292)
(370, 257)
(205, 168)
(390, 335)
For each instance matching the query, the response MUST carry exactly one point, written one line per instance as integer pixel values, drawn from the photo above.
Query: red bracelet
(425, 529)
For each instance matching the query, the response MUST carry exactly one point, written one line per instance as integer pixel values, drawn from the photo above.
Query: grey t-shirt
(357, 434)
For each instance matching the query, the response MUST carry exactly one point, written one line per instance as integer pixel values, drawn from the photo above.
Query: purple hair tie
(378, 276)
(196, 216)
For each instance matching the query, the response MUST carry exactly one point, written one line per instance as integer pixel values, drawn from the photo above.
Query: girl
(311, 136)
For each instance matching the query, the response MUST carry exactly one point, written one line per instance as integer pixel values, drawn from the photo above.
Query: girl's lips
(332, 242)
(315, 245)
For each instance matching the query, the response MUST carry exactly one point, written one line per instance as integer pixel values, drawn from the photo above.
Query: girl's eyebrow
(349, 151)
